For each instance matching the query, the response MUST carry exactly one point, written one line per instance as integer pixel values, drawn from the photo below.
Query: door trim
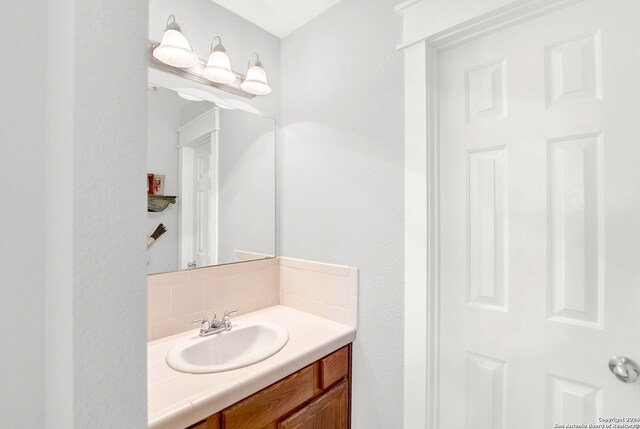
(422, 197)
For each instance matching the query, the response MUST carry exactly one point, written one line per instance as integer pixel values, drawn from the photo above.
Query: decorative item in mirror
(155, 184)
(160, 230)
(158, 203)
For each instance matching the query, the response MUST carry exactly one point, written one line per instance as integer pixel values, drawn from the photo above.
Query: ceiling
(278, 17)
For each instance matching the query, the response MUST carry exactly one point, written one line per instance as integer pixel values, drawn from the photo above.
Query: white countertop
(178, 400)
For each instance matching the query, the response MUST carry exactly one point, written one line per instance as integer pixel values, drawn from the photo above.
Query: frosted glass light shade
(189, 97)
(256, 81)
(175, 50)
(218, 68)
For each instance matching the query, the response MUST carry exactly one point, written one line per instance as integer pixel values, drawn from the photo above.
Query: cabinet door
(326, 411)
(272, 403)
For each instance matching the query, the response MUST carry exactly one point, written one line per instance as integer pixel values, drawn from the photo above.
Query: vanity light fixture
(256, 81)
(174, 55)
(174, 49)
(218, 67)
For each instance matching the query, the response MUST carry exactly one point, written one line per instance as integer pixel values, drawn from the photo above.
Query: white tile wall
(325, 290)
(328, 291)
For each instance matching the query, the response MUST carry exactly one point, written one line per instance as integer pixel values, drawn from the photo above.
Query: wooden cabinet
(212, 422)
(269, 404)
(325, 412)
(316, 397)
(334, 367)
(201, 425)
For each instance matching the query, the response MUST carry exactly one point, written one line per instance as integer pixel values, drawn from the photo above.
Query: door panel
(328, 411)
(203, 216)
(540, 192)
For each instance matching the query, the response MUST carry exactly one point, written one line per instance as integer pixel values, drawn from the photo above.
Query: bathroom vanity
(306, 384)
(316, 396)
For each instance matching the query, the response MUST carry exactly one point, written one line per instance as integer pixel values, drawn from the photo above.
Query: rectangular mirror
(219, 164)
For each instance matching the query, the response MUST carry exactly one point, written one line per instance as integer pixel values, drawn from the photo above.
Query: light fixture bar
(232, 88)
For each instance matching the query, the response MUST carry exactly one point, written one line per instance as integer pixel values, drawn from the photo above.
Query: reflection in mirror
(219, 163)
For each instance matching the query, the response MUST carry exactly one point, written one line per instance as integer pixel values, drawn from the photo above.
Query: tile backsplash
(177, 299)
(329, 291)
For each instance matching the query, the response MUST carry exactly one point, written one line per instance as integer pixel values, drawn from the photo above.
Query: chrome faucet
(215, 326)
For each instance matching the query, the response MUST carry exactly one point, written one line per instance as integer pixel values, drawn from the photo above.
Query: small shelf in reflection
(158, 203)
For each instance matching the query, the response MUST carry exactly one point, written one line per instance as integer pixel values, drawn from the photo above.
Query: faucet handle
(228, 313)
(205, 325)
(227, 319)
(203, 320)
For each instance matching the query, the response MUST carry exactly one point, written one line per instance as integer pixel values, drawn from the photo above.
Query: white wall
(72, 284)
(22, 177)
(247, 212)
(342, 180)
(95, 321)
(164, 109)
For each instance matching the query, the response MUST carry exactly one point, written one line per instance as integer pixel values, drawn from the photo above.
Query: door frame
(189, 137)
(422, 195)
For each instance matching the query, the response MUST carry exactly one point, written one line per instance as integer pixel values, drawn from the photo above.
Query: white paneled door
(539, 157)
(202, 216)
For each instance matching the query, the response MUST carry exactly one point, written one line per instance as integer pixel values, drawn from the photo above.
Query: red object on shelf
(150, 184)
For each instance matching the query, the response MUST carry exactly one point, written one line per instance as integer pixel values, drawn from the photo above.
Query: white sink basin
(247, 343)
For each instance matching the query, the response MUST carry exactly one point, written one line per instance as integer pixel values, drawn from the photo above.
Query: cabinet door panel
(334, 367)
(326, 411)
(269, 404)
